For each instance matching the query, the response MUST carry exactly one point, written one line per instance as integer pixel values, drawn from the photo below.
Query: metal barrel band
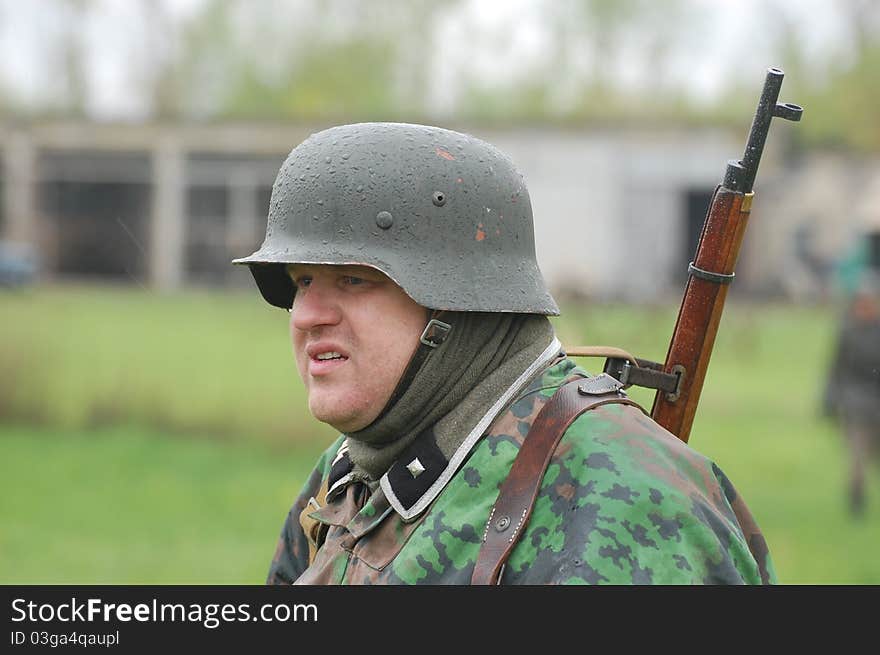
(709, 276)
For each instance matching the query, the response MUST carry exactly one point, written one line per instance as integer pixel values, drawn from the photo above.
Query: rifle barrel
(741, 174)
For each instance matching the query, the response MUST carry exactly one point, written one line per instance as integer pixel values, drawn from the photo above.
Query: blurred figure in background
(852, 392)
(19, 264)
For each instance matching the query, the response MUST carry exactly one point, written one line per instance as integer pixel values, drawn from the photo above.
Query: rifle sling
(630, 370)
(647, 374)
(516, 498)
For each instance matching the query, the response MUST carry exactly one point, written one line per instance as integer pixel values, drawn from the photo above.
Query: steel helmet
(443, 214)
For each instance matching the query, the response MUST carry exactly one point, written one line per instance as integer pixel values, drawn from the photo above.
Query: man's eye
(350, 279)
(302, 282)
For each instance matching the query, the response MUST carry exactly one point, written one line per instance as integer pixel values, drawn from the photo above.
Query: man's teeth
(330, 355)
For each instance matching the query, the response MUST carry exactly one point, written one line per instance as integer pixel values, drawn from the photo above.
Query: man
(405, 254)
(852, 391)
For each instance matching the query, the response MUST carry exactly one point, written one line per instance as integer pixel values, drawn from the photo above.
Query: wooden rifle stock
(713, 269)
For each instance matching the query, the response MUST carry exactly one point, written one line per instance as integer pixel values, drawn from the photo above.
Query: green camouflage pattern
(623, 501)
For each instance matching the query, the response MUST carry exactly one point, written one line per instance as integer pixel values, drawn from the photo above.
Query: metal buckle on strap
(599, 385)
(435, 333)
(646, 374)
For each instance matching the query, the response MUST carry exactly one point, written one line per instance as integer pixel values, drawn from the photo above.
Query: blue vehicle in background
(19, 264)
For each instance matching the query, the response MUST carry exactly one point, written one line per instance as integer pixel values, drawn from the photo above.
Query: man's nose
(314, 307)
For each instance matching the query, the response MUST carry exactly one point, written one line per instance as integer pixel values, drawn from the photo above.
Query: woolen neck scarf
(460, 379)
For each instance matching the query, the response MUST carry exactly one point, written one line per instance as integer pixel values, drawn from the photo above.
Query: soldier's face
(353, 331)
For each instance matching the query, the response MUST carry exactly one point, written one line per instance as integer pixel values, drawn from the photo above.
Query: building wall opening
(95, 210)
(696, 205)
(226, 209)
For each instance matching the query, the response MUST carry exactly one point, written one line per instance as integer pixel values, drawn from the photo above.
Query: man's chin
(341, 421)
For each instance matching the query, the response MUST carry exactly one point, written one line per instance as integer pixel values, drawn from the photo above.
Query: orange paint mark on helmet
(442, 153)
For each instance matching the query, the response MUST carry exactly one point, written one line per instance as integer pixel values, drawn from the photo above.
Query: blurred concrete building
(805, 235)
(617, 213)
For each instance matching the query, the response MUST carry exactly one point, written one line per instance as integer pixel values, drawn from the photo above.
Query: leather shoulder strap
(518, 492)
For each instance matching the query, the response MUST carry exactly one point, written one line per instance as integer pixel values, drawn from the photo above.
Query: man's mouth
(324, 358)
(325, 361)
(330, 355)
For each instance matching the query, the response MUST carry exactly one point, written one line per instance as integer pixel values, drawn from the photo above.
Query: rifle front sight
(740, 175)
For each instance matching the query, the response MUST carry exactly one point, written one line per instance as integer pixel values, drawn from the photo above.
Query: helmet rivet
(439, 198)
(384, 220)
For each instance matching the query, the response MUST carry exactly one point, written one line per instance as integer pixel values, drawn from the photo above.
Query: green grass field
(134, 506)
(160, 439)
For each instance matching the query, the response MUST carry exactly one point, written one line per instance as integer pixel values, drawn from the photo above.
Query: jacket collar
(422, 471)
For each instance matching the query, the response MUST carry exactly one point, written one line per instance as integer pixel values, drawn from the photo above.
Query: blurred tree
(595, 60)
(845, 106)
(308, 59)
(839, 86)
(72, 53)
(6, 99)
(608, 60)
(6, 96)
(161, 71)
(332, 80)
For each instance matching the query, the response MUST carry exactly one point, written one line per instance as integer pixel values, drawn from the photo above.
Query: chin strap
(433, 335)
(435, 331)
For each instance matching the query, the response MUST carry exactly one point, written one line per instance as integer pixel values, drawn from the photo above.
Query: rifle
(679, 380)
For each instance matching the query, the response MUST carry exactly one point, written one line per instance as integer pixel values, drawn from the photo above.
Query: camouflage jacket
(622, 502)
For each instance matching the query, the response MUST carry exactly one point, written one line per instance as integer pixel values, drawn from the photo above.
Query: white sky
(736, 40)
